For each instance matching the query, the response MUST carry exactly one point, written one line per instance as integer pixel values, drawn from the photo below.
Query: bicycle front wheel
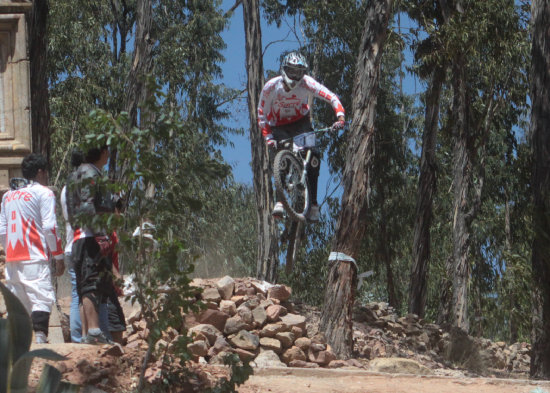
(291, 191)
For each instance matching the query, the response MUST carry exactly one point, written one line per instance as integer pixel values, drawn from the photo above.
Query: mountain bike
(290, 168)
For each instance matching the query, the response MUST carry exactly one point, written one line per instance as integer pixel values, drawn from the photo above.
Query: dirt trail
(332, 381)
(302, 380)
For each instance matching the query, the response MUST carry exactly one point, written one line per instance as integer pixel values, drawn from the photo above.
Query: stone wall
(15, 107)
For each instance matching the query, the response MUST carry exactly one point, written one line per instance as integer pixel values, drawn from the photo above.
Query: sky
(235, 76)
(274, 41)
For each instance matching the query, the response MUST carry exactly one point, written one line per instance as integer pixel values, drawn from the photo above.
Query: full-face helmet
(293, 68)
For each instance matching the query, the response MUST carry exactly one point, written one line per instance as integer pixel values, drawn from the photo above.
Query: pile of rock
(513, 358)
(380, 332)
(256, 321)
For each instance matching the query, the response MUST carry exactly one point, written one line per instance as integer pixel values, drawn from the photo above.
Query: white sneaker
(278, 211)
(40, 337)
(313, 213)
(94, 339)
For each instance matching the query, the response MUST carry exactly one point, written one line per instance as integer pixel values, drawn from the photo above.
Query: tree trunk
(385, 253)
(540, 115)
(266, 268)
(478, 312)
(142, 65)
(462, 165)
(514, 323)
(336, 319)
(424, 199)
(40, 108)
(445, 293)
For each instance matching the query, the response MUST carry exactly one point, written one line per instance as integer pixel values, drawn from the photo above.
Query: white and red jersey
(28, 226)
(279, 107)
(69, 233)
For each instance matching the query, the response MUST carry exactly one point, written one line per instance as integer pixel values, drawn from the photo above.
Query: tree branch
(235, 97)
(229, 11)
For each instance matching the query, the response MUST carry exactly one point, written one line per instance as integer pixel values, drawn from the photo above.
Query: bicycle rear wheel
(291, 191)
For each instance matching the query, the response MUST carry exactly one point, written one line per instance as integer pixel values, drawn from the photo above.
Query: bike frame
(297, 149)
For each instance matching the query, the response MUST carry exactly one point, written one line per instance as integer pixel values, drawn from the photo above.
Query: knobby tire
(294, 196)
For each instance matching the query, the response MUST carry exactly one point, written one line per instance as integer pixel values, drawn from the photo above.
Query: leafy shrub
(15, 357)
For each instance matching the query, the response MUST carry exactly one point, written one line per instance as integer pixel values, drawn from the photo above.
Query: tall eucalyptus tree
(267, 235)
(91, 50)
(483, 43)
(433, 70)
(336, 318)
(540, 97)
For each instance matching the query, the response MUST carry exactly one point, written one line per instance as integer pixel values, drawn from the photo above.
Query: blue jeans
(74, 318)
(75, 324)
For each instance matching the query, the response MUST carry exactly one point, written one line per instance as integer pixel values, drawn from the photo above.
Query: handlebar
(305, 134)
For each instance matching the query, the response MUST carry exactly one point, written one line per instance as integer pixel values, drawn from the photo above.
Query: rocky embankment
(259, 322)
(380, 333)
(256, 321)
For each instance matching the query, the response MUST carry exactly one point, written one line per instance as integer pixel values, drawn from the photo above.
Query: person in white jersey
(28, 231)
(283, 112)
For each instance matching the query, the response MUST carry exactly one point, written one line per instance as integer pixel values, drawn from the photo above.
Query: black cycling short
(93, 271)
(117, 322)
(290, 130)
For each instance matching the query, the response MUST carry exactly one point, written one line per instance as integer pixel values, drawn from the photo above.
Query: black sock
(40, 321)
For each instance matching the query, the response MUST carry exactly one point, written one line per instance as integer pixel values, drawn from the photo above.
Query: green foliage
(89, 60)
(163, 162)
(225, 231)
(87, 66)
(204, 219)
(492, 36)
(311, 267)
(90, 56)
(15, 357)
(50, 382)
(496, 66)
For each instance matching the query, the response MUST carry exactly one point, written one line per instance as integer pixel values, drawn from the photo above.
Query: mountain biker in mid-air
(284, 113)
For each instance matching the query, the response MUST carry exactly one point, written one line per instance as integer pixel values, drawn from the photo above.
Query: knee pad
(40, 321)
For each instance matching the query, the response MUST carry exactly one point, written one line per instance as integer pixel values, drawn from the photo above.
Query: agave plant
(15, 357)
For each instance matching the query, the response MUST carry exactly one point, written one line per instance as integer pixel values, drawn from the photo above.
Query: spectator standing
(28, 230)
(92, 249)
(74, 315)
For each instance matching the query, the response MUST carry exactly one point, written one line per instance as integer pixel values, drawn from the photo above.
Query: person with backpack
(111, 316)
(284, 112)
(28, 231)
(91, 252)
(74, 315)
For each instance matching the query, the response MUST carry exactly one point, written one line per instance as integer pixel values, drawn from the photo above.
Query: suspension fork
(303, 179)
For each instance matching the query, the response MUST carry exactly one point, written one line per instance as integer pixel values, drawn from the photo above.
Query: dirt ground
(118, 377)
(119, 372)
(332, 381)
